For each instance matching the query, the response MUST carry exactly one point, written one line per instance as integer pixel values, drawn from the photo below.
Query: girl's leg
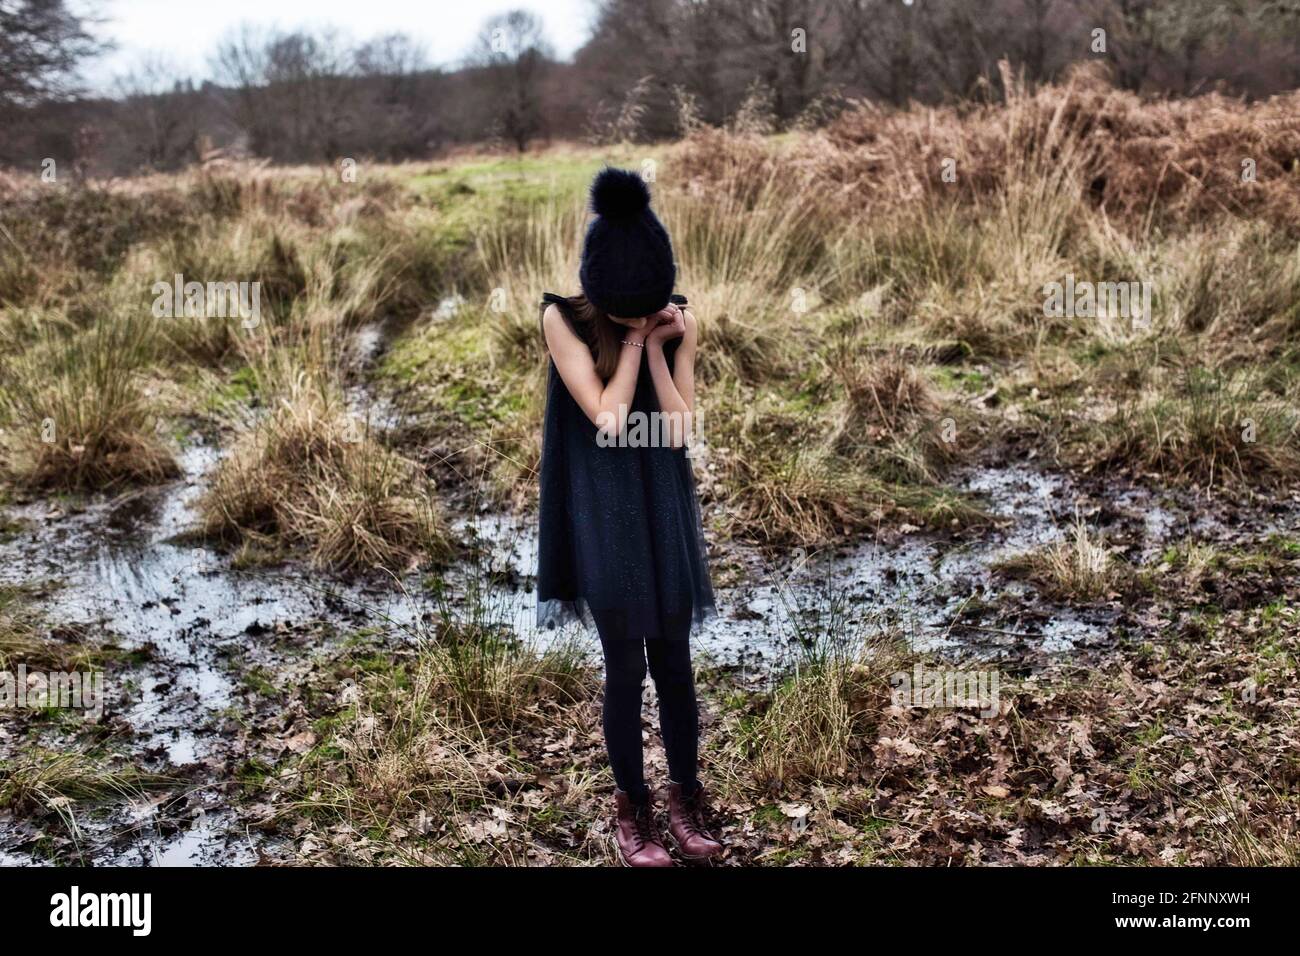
(679, 719)
(625, 670)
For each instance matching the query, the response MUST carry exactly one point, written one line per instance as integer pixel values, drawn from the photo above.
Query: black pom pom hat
(627, 259)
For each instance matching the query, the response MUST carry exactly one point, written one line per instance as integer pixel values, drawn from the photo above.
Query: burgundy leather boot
(686, 824)
(635, 834)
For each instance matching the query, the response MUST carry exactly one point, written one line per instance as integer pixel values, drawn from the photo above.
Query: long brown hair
(601, 334)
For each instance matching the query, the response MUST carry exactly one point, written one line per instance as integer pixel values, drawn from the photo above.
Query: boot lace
(644, 831)
(695, 809)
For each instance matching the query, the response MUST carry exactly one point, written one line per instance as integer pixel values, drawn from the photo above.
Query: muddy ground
(223, 668)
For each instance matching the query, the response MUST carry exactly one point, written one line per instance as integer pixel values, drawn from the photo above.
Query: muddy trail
(220, 663)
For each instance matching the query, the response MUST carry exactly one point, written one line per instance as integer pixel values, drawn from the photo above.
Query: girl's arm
(675, 390)
(599, 401)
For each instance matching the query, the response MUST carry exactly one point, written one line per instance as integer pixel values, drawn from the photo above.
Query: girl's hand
(672, 325)
(659, 318)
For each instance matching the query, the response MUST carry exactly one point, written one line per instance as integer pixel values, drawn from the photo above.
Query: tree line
(648, 67)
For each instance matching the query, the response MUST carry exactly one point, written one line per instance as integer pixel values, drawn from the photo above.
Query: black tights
(669, 662)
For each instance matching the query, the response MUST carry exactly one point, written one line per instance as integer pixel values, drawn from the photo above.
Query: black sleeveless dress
(619, 527)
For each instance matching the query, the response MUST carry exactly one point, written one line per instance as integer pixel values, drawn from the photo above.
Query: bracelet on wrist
(639, 345)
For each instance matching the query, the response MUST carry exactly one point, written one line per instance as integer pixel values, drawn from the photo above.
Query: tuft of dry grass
(808, 726)
(45, 780)
(1215, 428)
(310, 474)
(1078, 567)
(26, 637)
(1256, 830)
(20, 637)
(885, 393)
(41, 781)
(78, 410)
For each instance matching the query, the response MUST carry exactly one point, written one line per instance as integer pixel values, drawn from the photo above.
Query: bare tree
(1281, 18)
(1035, 36)
(394, 56)
(395, 114)
(309, 79)
(887, 48)
(158, 112)
(293, 89)
(240, 63)
(1132, 37)
(41, 43)
(513, 53)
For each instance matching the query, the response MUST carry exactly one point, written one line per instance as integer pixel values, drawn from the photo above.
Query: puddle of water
(918, 583)
(194, 846)
(367, 343)
(148, 593)
(187, 610)
(370, 412)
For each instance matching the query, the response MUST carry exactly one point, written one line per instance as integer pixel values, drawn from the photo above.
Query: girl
(619, 539)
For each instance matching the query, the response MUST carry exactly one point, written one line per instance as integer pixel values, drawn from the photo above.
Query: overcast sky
(186, 31)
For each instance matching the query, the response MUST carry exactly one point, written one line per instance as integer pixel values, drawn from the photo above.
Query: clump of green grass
(808, 730)
(46, 780)
(489, 681)
(813, 725)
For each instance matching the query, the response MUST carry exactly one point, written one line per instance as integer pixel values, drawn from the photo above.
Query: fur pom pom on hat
(627, 258)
